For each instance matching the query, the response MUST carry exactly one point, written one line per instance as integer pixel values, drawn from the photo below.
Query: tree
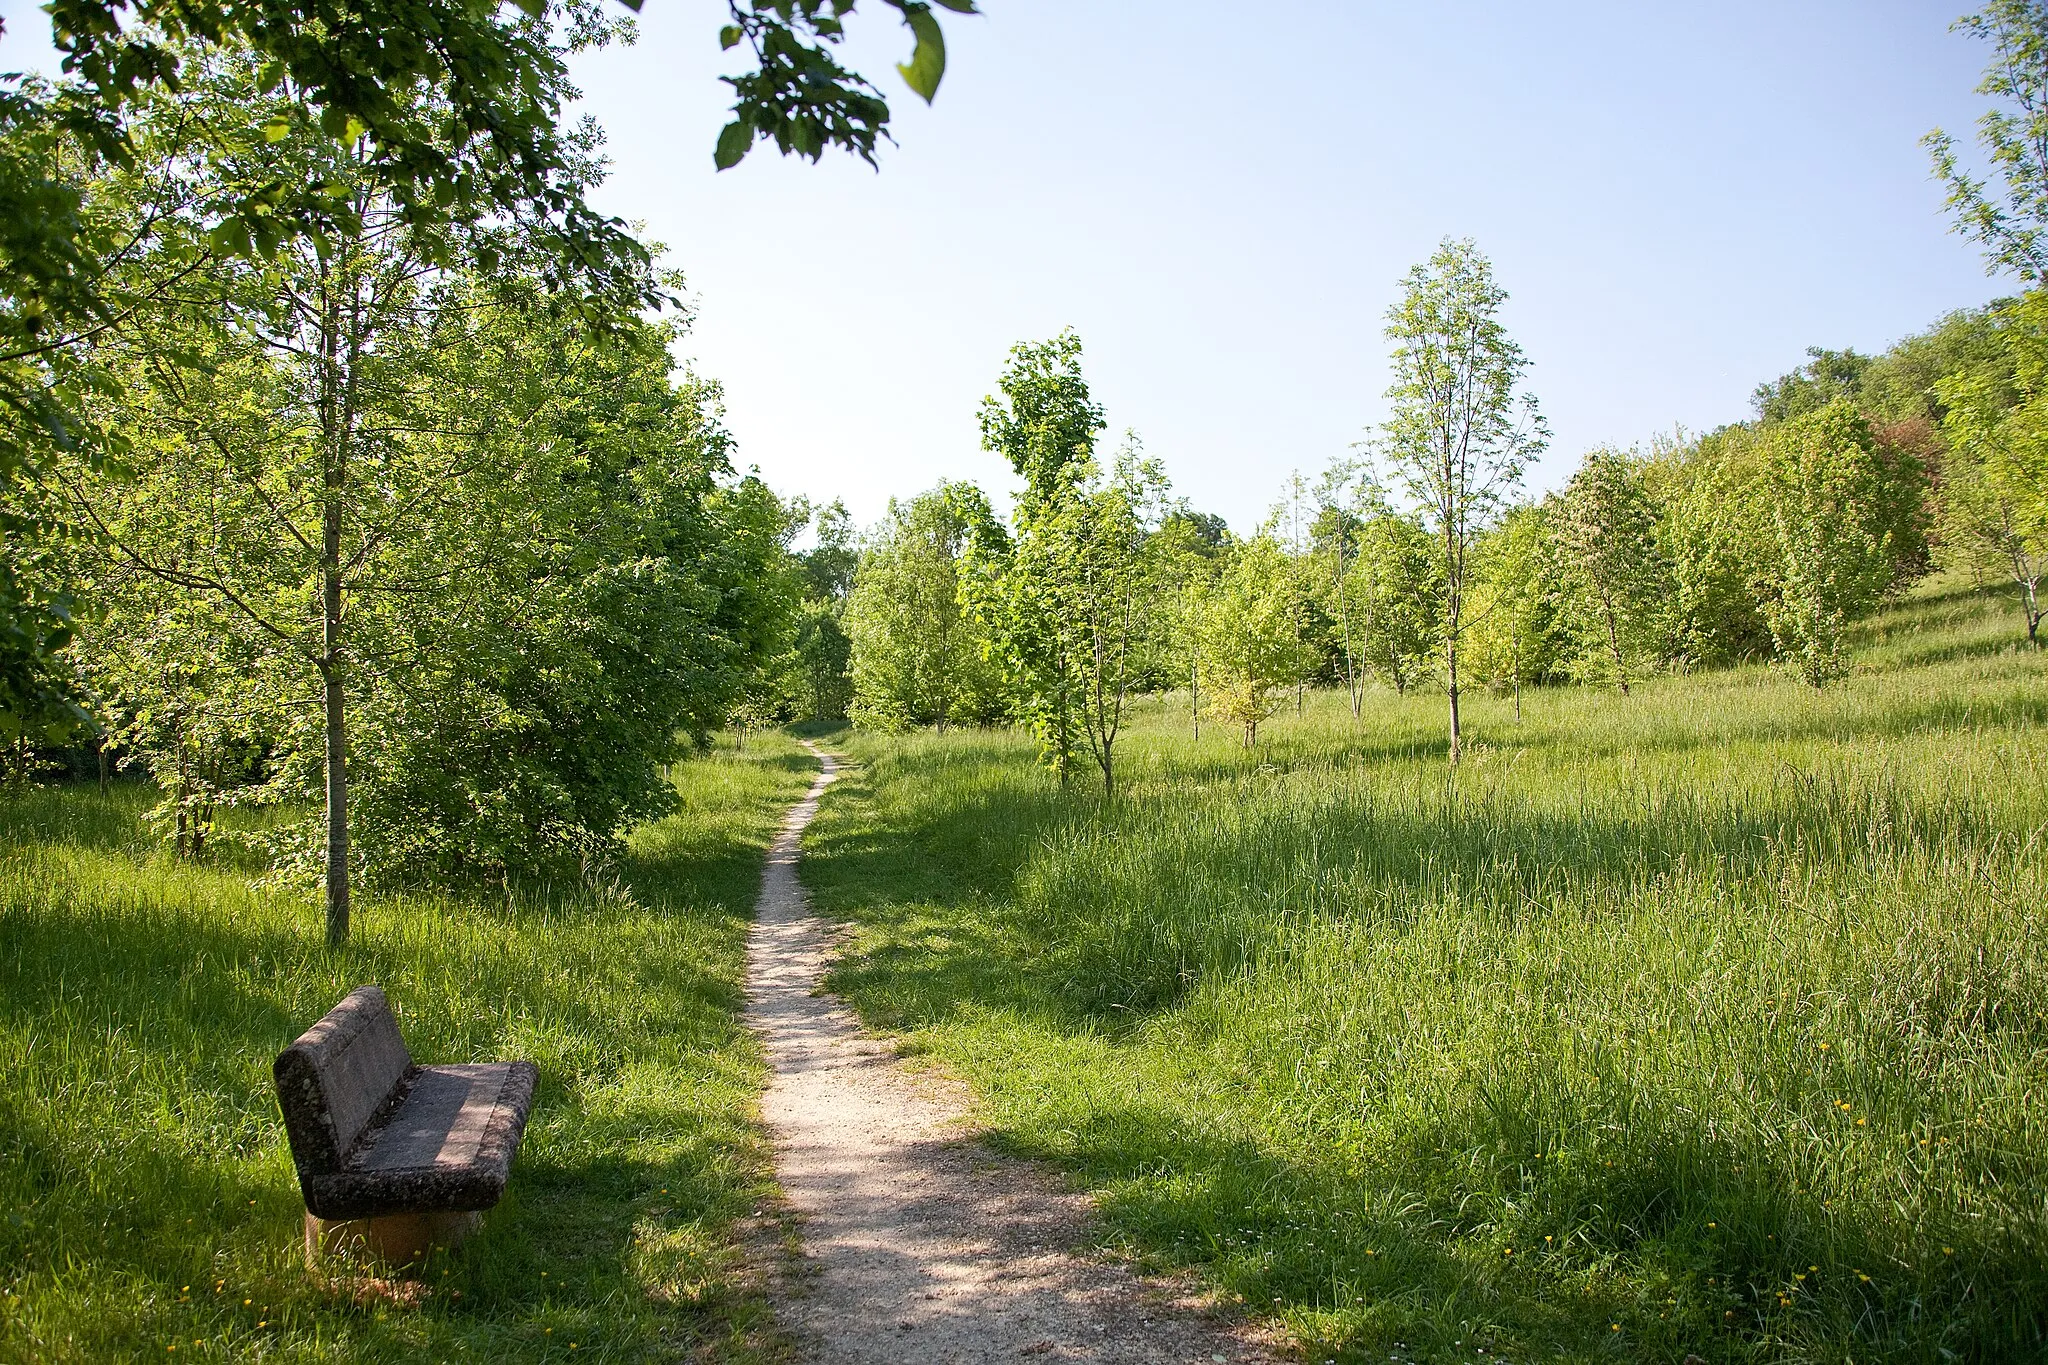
(2014, 134)
(354, 79)
(1995, 483)
(1460, 434)
(1393, 586)
(1183, 552)
(1088, 553)
(1716, 535)
(1515, 627)
(1249, 649)
(1607, 526)
(493, 537)
(918, 658)
(1044, 424)
(1832, 553)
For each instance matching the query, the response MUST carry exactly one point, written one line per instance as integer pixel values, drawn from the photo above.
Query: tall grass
(1708, 1021)
(148, 1208)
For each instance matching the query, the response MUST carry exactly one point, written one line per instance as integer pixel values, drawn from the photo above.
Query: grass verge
(148, 1208)
(1711, 1021)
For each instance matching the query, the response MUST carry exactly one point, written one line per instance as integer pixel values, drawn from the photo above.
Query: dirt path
(921, 1245)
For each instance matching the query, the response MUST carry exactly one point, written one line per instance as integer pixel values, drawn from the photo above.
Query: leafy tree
(2014, 134)
(830, 563)
(1184, 559)
(1716, 535)
(1607, 523)
(499, 544)
(1832, 550)
(1044, 424)
(1460, 433)
(1826, 376)
(1395, 592)
(452, 109)
(820, 669)
(1249, 648)
(918, 657)
(1089, 554)
(1517, 630)
(1995, 487)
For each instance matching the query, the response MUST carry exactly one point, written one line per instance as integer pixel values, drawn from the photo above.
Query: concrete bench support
(394, 1157)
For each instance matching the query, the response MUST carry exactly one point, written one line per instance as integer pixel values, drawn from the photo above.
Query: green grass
(148, 1208)
(1708, 1021)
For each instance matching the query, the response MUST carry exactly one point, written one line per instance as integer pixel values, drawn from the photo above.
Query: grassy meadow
(1705, 1022)
(148, 1207)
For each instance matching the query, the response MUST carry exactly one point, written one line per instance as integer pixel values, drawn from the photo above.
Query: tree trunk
(1195, 697)
(335, 703)
(103, 765)
(337, 808)
(1614, 646)
(1451, 673)
(1518, 699)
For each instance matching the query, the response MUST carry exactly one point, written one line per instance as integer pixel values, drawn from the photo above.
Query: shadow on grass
(141, 1004)
(1472, 1231)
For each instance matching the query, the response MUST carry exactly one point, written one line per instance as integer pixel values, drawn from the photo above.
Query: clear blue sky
(1221, 198)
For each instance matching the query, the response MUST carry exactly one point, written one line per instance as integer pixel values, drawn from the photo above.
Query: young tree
(1995, 482)
(1044, 424)
(1619, 584)
(1461, 432)
(356, 77)
(1092, 550)
(1394, 585)
(1249, 650)
(917, 654)
(1515, 622)
(1832, 550)
(1344, 488)
(1184, 553)
(2014, 134)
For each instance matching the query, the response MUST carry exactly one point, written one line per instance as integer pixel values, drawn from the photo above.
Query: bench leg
(397, 1239)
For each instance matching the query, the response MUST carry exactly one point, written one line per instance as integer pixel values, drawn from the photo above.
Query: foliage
(1519, 633)
(1618, 584)
(1087, 554)
(919, 657)
(1832, 559)
(1044, 424)
(1395, 586)
(496, 549)
(1250, 647)
(1995, 484)
(2014, 133)
(1461, 430)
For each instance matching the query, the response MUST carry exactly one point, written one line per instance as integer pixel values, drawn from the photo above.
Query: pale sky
(1221, 199)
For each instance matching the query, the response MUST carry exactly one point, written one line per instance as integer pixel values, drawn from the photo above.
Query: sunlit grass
(1706, 1021)
(147, 1199)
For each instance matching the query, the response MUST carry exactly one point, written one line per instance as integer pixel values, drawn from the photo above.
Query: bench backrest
(332, 1080)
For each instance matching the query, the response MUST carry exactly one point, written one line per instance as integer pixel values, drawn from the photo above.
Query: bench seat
(374, 1135)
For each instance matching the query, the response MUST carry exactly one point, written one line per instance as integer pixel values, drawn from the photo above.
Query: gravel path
(920, 1245)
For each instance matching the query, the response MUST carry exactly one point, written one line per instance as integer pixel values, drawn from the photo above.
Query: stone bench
(397, 1156)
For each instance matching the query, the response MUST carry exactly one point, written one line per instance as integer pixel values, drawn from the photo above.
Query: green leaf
(534, 8)
(958, 6)
(230, 238)
(734, 142)
(927, 64)
(278, 129)
(729, 36)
